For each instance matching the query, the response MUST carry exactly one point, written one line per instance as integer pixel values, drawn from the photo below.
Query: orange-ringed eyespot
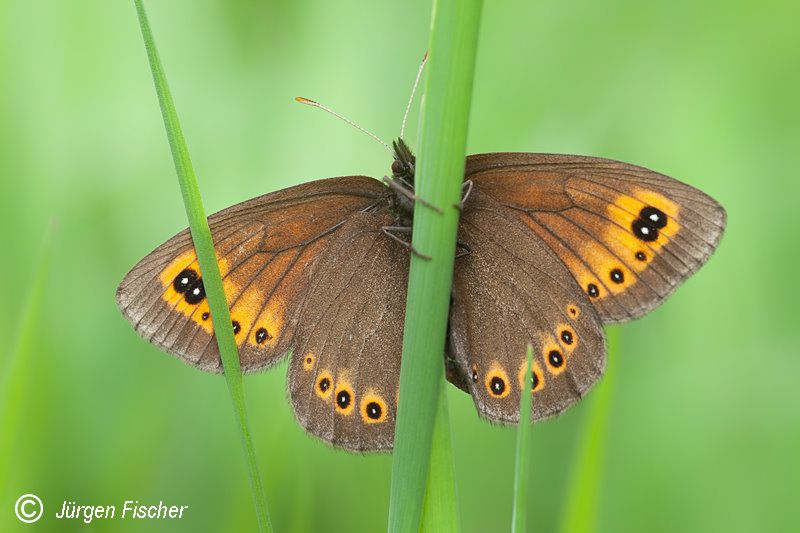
(195, 293)
(497, 385)
(374, 410)
(343, 399)
(262, 335)
(184, 280)
(644, 231)
(653, 216)
(555, 358)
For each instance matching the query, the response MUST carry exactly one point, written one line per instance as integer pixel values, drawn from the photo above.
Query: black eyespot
(555, 358)
(644, 230)
(262, 335)
(641, 256)
(474, 374)
(236, 327)
(184, 280)
(343, 399)
(497, 385)
(566, 336)
(195, 293)
(593, 291)
(324, 384)
(374, 410)
(617, 276)
(397, 167)
(534, 380)
(653, 216)
(205, 316)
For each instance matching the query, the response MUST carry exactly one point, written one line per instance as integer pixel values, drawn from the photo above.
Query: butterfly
(551, 247)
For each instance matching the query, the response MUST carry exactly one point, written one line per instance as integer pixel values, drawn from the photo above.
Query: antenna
(312, 103)
(413, 91)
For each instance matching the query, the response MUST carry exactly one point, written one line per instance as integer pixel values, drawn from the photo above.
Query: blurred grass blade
(521, 475)
(440, 511)
(16, 359)
(440, 172)
(206, 257)
(580, 511)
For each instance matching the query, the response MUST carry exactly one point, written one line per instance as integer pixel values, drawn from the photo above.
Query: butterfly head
(403, 164)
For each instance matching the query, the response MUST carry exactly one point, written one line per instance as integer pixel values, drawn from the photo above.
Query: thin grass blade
(521, 474)
(16, 357)
(581, 509)
(206, 256)
(440, 511)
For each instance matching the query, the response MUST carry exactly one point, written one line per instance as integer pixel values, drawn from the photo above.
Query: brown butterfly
(550, 248)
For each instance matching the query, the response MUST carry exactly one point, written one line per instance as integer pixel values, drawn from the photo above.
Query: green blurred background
(704, 432)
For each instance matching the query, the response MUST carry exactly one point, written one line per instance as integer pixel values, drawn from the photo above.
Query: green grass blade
(16, 359)
(521, 474)
(440, 511)
(580, 511)
(206, 257)
(440, 172)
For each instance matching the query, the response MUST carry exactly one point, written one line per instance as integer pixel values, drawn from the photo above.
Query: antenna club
(305, 100)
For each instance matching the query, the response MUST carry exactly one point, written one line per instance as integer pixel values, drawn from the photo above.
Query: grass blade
(440, 511)
(206, 257)
(16, 368)
(440, 172)
(521, 475)
(580, 511)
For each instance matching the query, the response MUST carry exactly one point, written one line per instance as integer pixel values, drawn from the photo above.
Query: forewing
(509, 291)
(628, 235)
(266, 248)
(345, 366)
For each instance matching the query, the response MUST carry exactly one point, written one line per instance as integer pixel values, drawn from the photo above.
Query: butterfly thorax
(401, 184)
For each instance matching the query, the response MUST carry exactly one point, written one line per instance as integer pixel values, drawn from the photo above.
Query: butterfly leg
(407, 230)
(462, 249)
(466, 189)
(409, 193)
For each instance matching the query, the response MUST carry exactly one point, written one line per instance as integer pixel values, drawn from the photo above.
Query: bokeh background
(703, 432)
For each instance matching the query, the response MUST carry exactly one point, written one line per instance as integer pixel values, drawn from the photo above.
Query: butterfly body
(553, 246)
(401, 185)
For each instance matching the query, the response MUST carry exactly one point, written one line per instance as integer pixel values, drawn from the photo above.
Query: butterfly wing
(344, 371)
(628, 235)
(509, 291)
(266, 248)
